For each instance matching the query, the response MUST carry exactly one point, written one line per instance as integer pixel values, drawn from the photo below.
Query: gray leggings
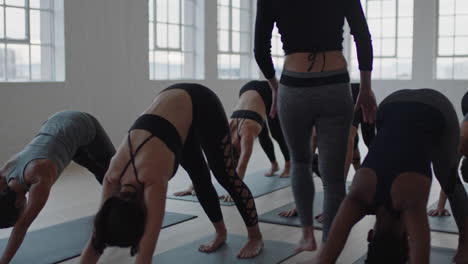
(330, 109)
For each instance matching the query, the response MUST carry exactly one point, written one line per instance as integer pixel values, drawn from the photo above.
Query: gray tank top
(58, 140)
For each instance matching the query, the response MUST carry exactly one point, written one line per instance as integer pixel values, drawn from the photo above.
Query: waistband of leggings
(311, 79)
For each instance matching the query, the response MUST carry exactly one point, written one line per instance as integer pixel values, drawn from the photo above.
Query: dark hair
(9, 212)
(120, 222)
(387, 247)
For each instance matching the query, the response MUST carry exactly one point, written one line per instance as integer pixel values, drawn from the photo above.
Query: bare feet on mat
(213, 245)
(252, 248)
(307, 242)
(287, 168)
(226, 198)
(289, 213)
(188, 191)
(274, 168)
(320, 217)
(439, 212)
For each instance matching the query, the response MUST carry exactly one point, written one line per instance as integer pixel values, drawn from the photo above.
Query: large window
(391, 26)
(452, 41)
(31, 40)
(235, 20)
(175, 41)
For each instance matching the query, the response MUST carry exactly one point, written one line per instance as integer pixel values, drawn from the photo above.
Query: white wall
(107, 70)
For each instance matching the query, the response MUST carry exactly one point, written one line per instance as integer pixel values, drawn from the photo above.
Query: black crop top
(310, 26)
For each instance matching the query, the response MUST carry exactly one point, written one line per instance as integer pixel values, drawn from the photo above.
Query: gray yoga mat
(272, 217)
(444, 224)
(273, 252)
(64, 241)
(257, 182)
(438, 255)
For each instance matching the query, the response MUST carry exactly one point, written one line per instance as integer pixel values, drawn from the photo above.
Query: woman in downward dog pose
(440, 210)
(183, 120)
(249, 121)
(66, 136)
(414, 129)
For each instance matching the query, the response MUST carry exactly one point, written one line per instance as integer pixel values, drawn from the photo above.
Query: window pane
(161, 35)
(223, 40)
(2, 62)
(151, 35)
(174, 11)
(16, 26)
(2, 26)
(235, 41)
(235, 66)
(460, 68)
(151, 10)
(43, 4)
(245, 21)
(161, 10)
(374, 9)
(461, 25)
(377, 44)
(152, 64)
(223, 66)
(188, 16)
(15, 2)
(461, 46)
(245, 43)
(389, 8)
(18, 62)
(446, 25)
(389, 69)
(160, 68)
(236, 19)
(405, 27)
(223, 17)
(188, 39)
(375, 27)
(446, 46)
(405, 48)
(405, 8)
(462, 6)
(41, 63)
(39, 18)
(446, 7)
(404, 69)
(175, 65)
(223, 2)
(388, 27)
(444, 68)
(236, 3)
(388, 47)
(174, 37)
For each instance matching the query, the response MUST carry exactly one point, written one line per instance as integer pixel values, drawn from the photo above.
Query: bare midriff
(315, 62)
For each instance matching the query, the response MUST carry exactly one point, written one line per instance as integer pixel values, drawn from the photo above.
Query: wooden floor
(77, 194)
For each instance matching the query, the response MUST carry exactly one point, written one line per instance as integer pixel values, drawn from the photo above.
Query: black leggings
(265, 141)
(209, 134)
(96, 156)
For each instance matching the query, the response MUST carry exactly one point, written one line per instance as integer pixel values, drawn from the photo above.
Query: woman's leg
(269, 149)
(96, 156)
(194, 163)
(277, 134)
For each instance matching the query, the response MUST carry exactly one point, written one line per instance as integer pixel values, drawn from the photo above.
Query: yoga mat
(272, 217)
(257, 182)
(64, 241)
(273, 252)
(438, 255)
(443, 224)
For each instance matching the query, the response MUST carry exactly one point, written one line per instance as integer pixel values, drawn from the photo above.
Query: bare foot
(188, 191)
(216, 243)
(320, 217)
(439, 212)
(252, 248)
(287, 168)
(289, 213)
(274, 168)
(307, 242)
(226, 198)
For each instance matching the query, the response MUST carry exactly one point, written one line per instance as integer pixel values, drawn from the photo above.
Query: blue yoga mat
(64, 241)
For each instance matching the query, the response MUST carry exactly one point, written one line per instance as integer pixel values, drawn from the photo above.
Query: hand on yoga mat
(188, 191)
(289, 213)
(439, 212)
(226, 198)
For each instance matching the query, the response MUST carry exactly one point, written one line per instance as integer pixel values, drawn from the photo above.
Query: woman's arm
(89, 255)
(38, 195)
(155, 200)
(263, 29)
